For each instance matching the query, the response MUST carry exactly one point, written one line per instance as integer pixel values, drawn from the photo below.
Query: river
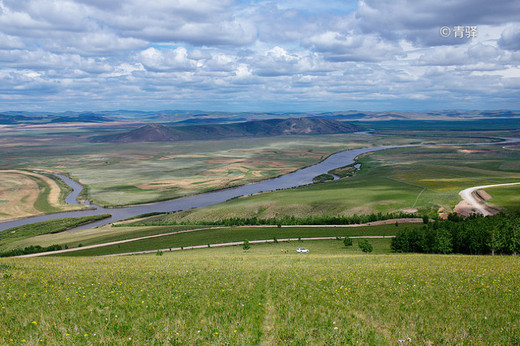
(298, 178)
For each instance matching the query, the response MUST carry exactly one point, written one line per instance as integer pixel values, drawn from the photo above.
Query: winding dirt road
(476, 203)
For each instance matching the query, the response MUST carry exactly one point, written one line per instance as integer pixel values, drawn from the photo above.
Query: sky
(254, 55)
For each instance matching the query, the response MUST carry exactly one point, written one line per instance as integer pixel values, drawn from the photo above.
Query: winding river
(298, 178)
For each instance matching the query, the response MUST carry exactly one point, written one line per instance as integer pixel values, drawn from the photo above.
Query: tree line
(475, 235)
(286, 220)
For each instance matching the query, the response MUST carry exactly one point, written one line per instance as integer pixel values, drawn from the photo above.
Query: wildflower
(34, 322)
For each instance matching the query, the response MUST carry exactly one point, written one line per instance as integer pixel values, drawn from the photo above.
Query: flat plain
(130, 173)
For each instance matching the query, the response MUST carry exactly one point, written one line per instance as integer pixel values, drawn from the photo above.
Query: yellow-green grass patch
(229, 296)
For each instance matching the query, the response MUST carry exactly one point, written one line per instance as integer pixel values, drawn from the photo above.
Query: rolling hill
(260, 128)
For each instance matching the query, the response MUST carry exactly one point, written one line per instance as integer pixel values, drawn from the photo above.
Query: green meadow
(425, 179)
(507, 197)
(332, 295)
(132, 173)
(235, 234)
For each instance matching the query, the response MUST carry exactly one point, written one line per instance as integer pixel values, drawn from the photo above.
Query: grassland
(505, 197)
(232, 234)
(427, 179)
(13, 238)
(123, 174)
(228, 296)
(181, 236)
(24, 193)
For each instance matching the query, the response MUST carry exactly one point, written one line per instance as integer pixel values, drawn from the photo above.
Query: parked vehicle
(302, 250)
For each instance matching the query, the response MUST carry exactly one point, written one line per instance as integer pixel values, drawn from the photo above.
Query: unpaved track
(475, 202)
(251, 242)
(374, 223)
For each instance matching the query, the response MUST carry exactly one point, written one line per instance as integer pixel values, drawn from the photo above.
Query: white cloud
(191, 53)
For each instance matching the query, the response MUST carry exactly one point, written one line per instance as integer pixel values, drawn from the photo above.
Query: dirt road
(374, 223)
(241, 242)
(476, 203)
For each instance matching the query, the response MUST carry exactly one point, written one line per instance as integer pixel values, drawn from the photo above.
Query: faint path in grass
(419, 195)
(374, 223)
(407, 183)
(268, 334)
(471, 202)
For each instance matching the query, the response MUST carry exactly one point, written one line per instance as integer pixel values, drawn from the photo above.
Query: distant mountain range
(170, 117)
(259, 128)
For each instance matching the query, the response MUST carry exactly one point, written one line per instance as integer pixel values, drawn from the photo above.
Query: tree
(443, 242)
(494, 242)
(365, 246)
(347, 241)
(246, 245)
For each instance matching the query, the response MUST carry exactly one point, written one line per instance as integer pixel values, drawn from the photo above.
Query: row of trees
(29, 250)
(292, 220)
(476, 235)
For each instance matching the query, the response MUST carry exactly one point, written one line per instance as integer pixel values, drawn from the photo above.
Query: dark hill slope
(260, 128)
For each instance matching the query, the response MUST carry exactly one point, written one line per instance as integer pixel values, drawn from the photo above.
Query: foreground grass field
(228, 296)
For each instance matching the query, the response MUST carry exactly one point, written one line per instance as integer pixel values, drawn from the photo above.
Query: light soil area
(19, 191)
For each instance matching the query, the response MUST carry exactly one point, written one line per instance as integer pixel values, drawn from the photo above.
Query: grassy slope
(506, 197)
(232, 234)
(15, 237)
(219, 296)
(389, 180)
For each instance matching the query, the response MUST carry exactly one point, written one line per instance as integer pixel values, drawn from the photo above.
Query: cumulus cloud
(271, 55)
(166, 60)
(352, 47)
(510, 38)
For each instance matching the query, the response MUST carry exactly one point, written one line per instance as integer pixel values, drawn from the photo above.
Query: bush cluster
(30, 249)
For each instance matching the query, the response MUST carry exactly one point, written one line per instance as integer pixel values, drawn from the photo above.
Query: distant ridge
(259, 128)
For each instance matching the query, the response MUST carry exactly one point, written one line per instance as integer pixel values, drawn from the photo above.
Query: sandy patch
(484, 195)
(443, 215)
(409, 210)
(464, 209)
(470, 151)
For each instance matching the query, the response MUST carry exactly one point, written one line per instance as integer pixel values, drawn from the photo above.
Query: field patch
(25, 194)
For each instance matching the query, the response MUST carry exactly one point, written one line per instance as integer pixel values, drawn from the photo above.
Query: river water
(301, 177)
